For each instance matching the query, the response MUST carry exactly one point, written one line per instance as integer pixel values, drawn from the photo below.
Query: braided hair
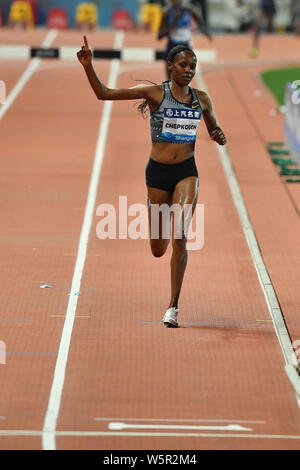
(142, 108)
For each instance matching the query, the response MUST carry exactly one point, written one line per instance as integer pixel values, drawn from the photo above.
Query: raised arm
(209, 117)
(102, 92)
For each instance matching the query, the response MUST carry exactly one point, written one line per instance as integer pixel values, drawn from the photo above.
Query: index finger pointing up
(85, 43)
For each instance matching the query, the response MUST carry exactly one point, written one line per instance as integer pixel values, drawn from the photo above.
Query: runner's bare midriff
(171, 153)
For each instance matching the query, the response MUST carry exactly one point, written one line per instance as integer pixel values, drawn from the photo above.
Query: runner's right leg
(159, 227)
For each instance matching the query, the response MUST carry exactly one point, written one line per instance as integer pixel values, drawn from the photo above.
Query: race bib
(180, 125)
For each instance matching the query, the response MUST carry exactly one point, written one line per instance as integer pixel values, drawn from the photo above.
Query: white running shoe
(170, 317)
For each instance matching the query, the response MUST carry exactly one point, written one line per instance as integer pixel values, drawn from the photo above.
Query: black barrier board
(49, 53)
(106, 54)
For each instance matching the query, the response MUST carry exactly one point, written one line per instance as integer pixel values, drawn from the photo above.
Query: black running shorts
(165, 176)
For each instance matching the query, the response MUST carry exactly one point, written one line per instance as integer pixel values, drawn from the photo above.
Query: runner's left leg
(185, 193)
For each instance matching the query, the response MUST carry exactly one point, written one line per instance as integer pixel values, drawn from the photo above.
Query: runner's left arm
(210, 120)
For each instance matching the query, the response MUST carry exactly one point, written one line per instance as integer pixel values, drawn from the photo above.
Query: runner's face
(183, 68)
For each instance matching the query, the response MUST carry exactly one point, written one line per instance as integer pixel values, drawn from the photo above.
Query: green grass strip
(276, 79)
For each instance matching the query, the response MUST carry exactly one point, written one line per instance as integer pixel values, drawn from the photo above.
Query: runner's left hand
(218, 136)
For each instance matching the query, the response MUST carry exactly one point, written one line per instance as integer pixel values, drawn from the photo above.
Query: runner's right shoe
(170, 317)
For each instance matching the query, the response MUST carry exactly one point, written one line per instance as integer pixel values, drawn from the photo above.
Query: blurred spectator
(264, 20)
(267, 13)
(239, 17)
(296, 16)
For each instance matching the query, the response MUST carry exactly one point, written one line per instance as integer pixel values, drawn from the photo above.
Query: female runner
(171, 174)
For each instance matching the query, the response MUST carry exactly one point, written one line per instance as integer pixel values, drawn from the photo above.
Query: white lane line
(229, 427)
(262, 272)
(182, 420)
(15, 433)
(62, 357)
(32, 67)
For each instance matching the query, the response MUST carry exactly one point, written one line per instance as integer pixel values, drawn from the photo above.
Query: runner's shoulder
(203, 99)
